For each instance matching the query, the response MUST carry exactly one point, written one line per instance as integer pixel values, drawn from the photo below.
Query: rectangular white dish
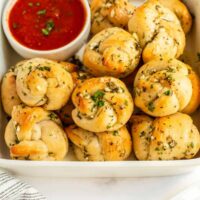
(73, 168)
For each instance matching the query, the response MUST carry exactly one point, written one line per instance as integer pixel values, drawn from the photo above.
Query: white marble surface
(160, 188)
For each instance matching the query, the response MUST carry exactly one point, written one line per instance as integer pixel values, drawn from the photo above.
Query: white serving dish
(73, 168)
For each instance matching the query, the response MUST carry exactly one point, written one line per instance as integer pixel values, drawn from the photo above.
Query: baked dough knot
(101, 104)
(162, 87)
(112, 52)
(104, 146)
(42, 82)
(159, 31)
(35, 134)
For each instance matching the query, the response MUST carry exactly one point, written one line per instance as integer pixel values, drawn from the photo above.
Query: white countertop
(160, 188)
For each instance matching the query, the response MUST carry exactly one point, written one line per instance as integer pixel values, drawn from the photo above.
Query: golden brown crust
(35, 134)
(159, 31)
(42, 82)
(104, 101)
(106, 14)
(162, 87)
(112, 52)
(105, 146)
(165, 138)
(8, 92)
(115, 145)
(141, 133)
(65, 113)
(181, 12)
(195, 100)
(70, 67)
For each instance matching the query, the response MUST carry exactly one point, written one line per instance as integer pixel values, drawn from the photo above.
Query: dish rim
(128, 163)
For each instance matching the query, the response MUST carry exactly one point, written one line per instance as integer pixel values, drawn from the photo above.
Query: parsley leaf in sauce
(49, 27)
(42, 12)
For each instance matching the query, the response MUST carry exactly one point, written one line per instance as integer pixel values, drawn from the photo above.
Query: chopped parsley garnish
(45, 32)
(108, 126)
(142, 134)
(24, 93)
(53, 116)
(157, 149)
(192, 145)
(49, 27)
(42, 12)
(151, 106)
(115, 133)
(97, 95)
(98, 98)
(45, 68)
(126, 103)
(168, 93)
(169, 69)
(100, 103)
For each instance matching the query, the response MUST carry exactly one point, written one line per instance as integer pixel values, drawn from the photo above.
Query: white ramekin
(61, 53)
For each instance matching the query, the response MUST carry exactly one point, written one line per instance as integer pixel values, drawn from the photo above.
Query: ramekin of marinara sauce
(49, 28)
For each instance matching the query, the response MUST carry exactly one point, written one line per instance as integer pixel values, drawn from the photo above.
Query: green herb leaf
(108, 126)
(45, 31)
(100, 103)
(126, 103)
(45, 68)
(97, 98)
(115, 133)
(151, 106)
(142, 134)
(168, 93)
(97, 95)
(53, 116)
(169, 69)
(41, 12)
(50, 25)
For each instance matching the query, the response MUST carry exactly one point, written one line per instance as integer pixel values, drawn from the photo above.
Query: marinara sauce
(46, 24)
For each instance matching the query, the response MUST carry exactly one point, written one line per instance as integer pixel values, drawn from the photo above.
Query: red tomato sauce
(46, 24)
